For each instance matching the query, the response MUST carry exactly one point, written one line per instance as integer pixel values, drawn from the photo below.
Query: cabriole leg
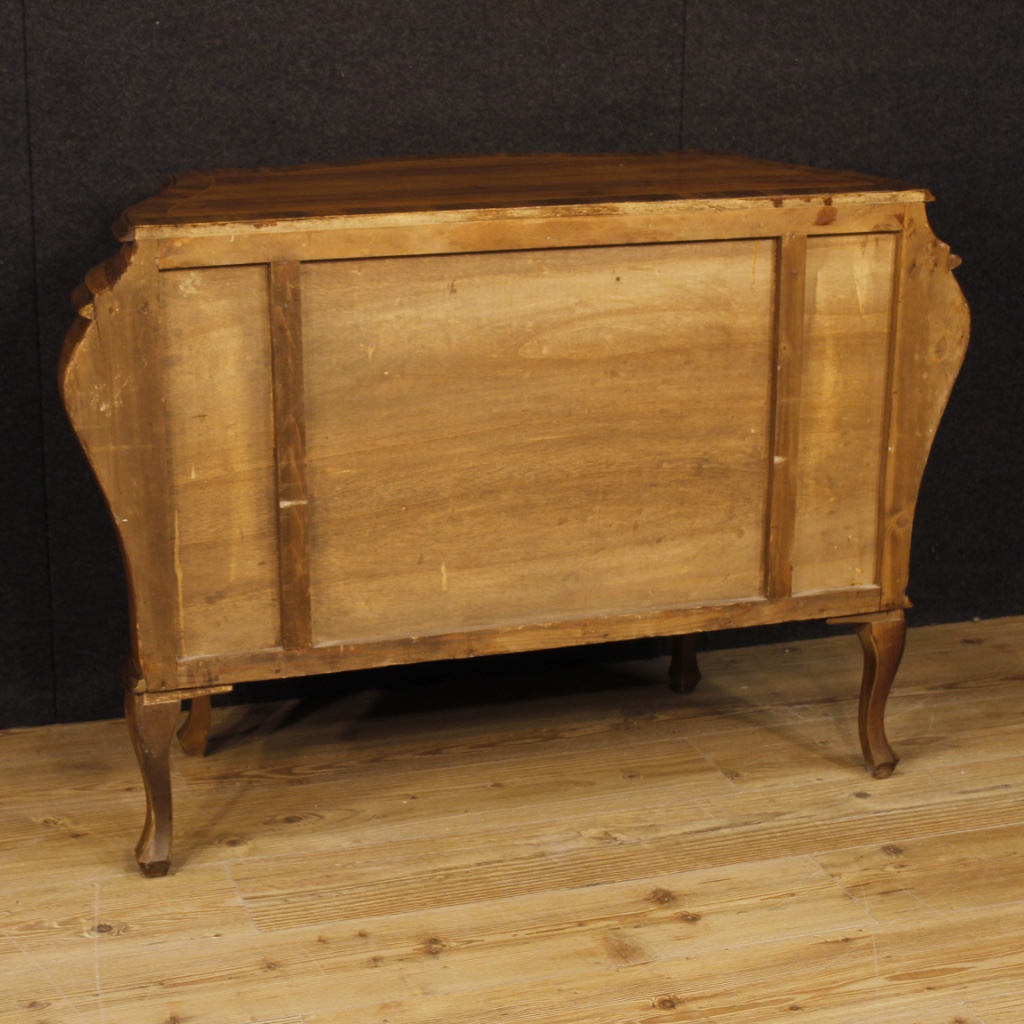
(683, 670)
(194, 735)
(152, 729)
(883, 639)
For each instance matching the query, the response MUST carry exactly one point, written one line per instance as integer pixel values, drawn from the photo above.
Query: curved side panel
(110, 380)
(933, 326)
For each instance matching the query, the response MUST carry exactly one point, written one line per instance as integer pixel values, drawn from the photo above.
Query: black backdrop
(100, 101)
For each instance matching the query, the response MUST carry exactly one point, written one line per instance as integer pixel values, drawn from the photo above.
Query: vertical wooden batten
(290, 453)
(789, 330)
(890, 392)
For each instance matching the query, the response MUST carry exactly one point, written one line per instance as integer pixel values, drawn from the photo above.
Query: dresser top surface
(261, 197)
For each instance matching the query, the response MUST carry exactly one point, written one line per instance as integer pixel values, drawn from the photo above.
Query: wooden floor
(616, 854)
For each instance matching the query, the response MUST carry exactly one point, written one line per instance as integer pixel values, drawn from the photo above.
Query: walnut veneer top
(263, 197)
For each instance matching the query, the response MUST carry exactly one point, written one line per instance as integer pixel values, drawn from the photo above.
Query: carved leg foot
(882, 639)
(194, 735)
(683, 670)
(152, 729)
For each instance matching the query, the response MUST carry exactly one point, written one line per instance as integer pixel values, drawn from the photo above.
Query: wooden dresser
(358, 415)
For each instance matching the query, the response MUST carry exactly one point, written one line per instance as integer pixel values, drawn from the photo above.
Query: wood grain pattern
(364, 236)
(219, 396)
(603, 854)
(213, 671)
(534, 437)
(267, 196)
(785, 414)
(933, 325)
(848, 335)
(113, 391)
(290, 453)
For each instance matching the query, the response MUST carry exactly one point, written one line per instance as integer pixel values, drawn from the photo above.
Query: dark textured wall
(99, 101)
(26, 681)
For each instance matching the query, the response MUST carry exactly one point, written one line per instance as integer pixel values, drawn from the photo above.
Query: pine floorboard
(605, 852)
